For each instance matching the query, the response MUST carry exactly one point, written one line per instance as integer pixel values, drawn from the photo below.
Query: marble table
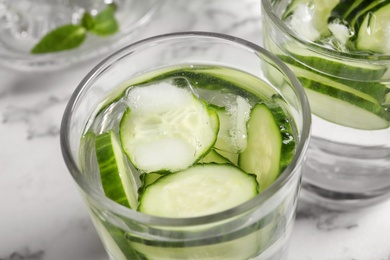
(42, 216)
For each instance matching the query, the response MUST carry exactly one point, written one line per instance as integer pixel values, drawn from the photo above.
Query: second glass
(256, 229)
(349, 156)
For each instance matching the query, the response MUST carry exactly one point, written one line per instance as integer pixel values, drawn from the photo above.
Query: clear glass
(256, 229)
(348, 165)
(23, 23)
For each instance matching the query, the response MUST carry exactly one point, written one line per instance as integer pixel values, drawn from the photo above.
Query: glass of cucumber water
(340, 52)
(52, 34)
(189, 146)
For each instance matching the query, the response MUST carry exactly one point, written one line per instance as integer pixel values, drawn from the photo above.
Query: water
(240, 238)
(349, 156)
(231, 98)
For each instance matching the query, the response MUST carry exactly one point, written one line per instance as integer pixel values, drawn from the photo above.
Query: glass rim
(98, 198)
(317, 47)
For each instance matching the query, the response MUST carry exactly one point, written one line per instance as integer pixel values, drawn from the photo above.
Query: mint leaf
(105, 22)
(71, 36)
(87, 21)
(63, 38)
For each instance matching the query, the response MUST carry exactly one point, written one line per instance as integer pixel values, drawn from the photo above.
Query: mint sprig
(71, 36)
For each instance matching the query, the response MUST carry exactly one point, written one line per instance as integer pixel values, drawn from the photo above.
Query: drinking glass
(348, 164)
(23, 23)
(257, 229)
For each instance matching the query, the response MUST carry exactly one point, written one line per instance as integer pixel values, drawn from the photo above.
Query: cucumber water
(189, 141)
(341, 90)
(340, 52)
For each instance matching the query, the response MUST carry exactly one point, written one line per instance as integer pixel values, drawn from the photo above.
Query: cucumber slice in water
(373, 34)
(214, 157)
(345, 9)
(333, 66)
(348, 103)
(342, 104)
(336, 84)
(116, 176)
(338, 111)
(199, 190)
(149, 178)
(365, 9)
(166, 128)
(344, 108)
(262, 155)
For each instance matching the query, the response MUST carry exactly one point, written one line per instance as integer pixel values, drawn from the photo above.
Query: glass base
(341, 201)
(346, 177)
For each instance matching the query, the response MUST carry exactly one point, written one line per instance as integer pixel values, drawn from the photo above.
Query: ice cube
(341, 32)
(302, 23)
(161, 96)
(239, 112)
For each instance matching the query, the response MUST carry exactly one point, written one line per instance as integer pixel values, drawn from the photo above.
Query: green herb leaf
(105, 22)
(71, 36)
(87, 21)
(63, 38)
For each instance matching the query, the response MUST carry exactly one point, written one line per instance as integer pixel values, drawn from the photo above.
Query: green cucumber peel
(374, 89)
(359, 112)
(332, 66)
(263, 153)
(117, 178)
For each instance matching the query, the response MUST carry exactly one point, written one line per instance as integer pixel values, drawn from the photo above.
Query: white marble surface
(42, 216)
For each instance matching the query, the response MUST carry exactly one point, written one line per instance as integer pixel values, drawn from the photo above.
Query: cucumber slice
(166, 128)
(232, 157)
(285, 124)
(345, 9)
(115, 174)
(343, 104)
(376, 90)
(214, 157)
(344, 113)
(373, 34)
(87, 154)
(326, 81)
(200, 190)
(365, 9)
(262, 155)
(333, 66)
(149, 178)
(344, 108)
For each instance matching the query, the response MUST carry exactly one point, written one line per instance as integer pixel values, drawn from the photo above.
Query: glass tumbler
(256, 229)
(348, 165)
(24, 23)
